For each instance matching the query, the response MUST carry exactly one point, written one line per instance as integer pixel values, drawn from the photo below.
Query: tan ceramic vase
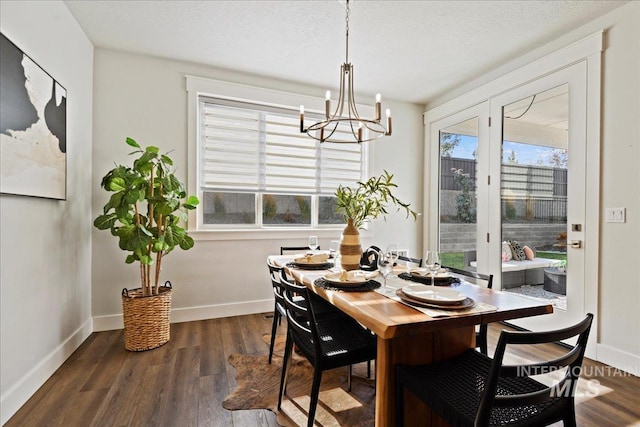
(350, 249)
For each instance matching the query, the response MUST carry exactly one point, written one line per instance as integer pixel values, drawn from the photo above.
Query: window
(257, 170)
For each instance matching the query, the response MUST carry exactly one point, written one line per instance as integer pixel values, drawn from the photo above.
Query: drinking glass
(334, 252)
(313, 243)
(392, 250)
(334, 247)
(432, 262)
(385, 265)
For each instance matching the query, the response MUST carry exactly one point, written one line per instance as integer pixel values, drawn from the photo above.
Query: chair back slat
(541, 368)
(275, 272)
(284, 250)
(486, 278)
(300, 314)
(408, 259)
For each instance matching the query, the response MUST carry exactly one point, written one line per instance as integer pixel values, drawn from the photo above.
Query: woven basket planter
(146, 318)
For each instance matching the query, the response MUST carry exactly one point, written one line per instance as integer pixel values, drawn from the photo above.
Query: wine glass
(392, 250)
(432, 262)
(334, 252)
(385, 265)
(334, 247)
(313, 243)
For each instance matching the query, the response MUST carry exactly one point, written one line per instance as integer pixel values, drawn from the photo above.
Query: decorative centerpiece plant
(368, 200)
(145, 212)
(360, 204)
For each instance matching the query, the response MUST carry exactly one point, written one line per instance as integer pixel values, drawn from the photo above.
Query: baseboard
(17, 395)
(188, 314)
(619, 359)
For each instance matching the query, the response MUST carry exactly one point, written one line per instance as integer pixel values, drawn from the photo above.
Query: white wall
(619, 263)
(145, 98)
(45, 245)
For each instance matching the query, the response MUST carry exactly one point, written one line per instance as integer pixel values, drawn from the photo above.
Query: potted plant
(360, 204)
(145, 213)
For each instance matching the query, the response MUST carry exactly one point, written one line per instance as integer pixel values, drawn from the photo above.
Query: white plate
(437, 296)
(423, 272)
(354, 278)
(303, 260)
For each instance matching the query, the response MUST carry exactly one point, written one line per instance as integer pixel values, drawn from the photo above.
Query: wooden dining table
(407, 336)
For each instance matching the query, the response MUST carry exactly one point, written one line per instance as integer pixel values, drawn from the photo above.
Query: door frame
(589, 50)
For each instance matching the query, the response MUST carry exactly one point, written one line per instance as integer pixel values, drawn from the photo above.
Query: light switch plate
(616, 215)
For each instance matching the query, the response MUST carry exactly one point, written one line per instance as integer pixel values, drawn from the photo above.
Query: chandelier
(344, 124)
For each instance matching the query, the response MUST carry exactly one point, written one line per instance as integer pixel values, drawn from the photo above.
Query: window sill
(270, 234)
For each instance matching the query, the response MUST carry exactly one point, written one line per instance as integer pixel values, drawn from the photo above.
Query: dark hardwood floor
(184, 382)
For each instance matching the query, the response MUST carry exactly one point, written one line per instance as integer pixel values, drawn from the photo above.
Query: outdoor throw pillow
(516, 251)
(506, 251)
(529, 253)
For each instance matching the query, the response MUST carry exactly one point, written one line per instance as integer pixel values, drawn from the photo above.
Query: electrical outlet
(616, 215)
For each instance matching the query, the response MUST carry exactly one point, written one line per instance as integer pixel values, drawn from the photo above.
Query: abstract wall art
(33, 127)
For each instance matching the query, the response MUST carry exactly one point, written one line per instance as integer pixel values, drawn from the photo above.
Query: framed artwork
(33, 127)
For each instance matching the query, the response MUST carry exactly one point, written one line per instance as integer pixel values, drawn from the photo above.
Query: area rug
(259, 383)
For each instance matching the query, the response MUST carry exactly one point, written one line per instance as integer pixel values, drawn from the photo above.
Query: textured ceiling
(407, 50)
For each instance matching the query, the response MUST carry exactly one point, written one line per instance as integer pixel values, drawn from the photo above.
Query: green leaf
(152, 149)
(131, 259)
(186, 243)
(192, 202)
(132, 142)
(116, 184)
(167, 160)
(139, 239)
(104, 222)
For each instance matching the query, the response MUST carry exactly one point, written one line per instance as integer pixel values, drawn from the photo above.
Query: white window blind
(255, 148)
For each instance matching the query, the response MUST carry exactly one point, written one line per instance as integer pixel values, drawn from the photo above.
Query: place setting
(433, 273)
(310, 261)
(433, 297)
(313, 259)
(422, 275)
(350, 281)
(434, 301)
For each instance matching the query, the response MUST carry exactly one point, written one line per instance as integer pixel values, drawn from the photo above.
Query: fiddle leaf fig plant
(145, 211)
(368, 200)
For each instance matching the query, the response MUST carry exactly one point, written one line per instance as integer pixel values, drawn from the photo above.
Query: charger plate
(434, 295)
(466, 303)
(310, 266)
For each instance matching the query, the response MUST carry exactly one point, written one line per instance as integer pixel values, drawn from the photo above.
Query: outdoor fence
(528, 192)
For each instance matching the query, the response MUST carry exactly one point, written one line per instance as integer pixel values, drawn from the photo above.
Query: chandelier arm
(343, 72)
(335, 127)
(352, 99)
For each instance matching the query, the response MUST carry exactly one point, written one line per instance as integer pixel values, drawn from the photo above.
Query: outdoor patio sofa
(517, 273)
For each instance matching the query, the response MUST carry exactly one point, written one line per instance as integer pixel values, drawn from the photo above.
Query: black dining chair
(475, 390)
(326, 342)
(323, 308)
(286, 250)
(482, 280)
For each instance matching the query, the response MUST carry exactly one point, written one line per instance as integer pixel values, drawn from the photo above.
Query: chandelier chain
(347, 31)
